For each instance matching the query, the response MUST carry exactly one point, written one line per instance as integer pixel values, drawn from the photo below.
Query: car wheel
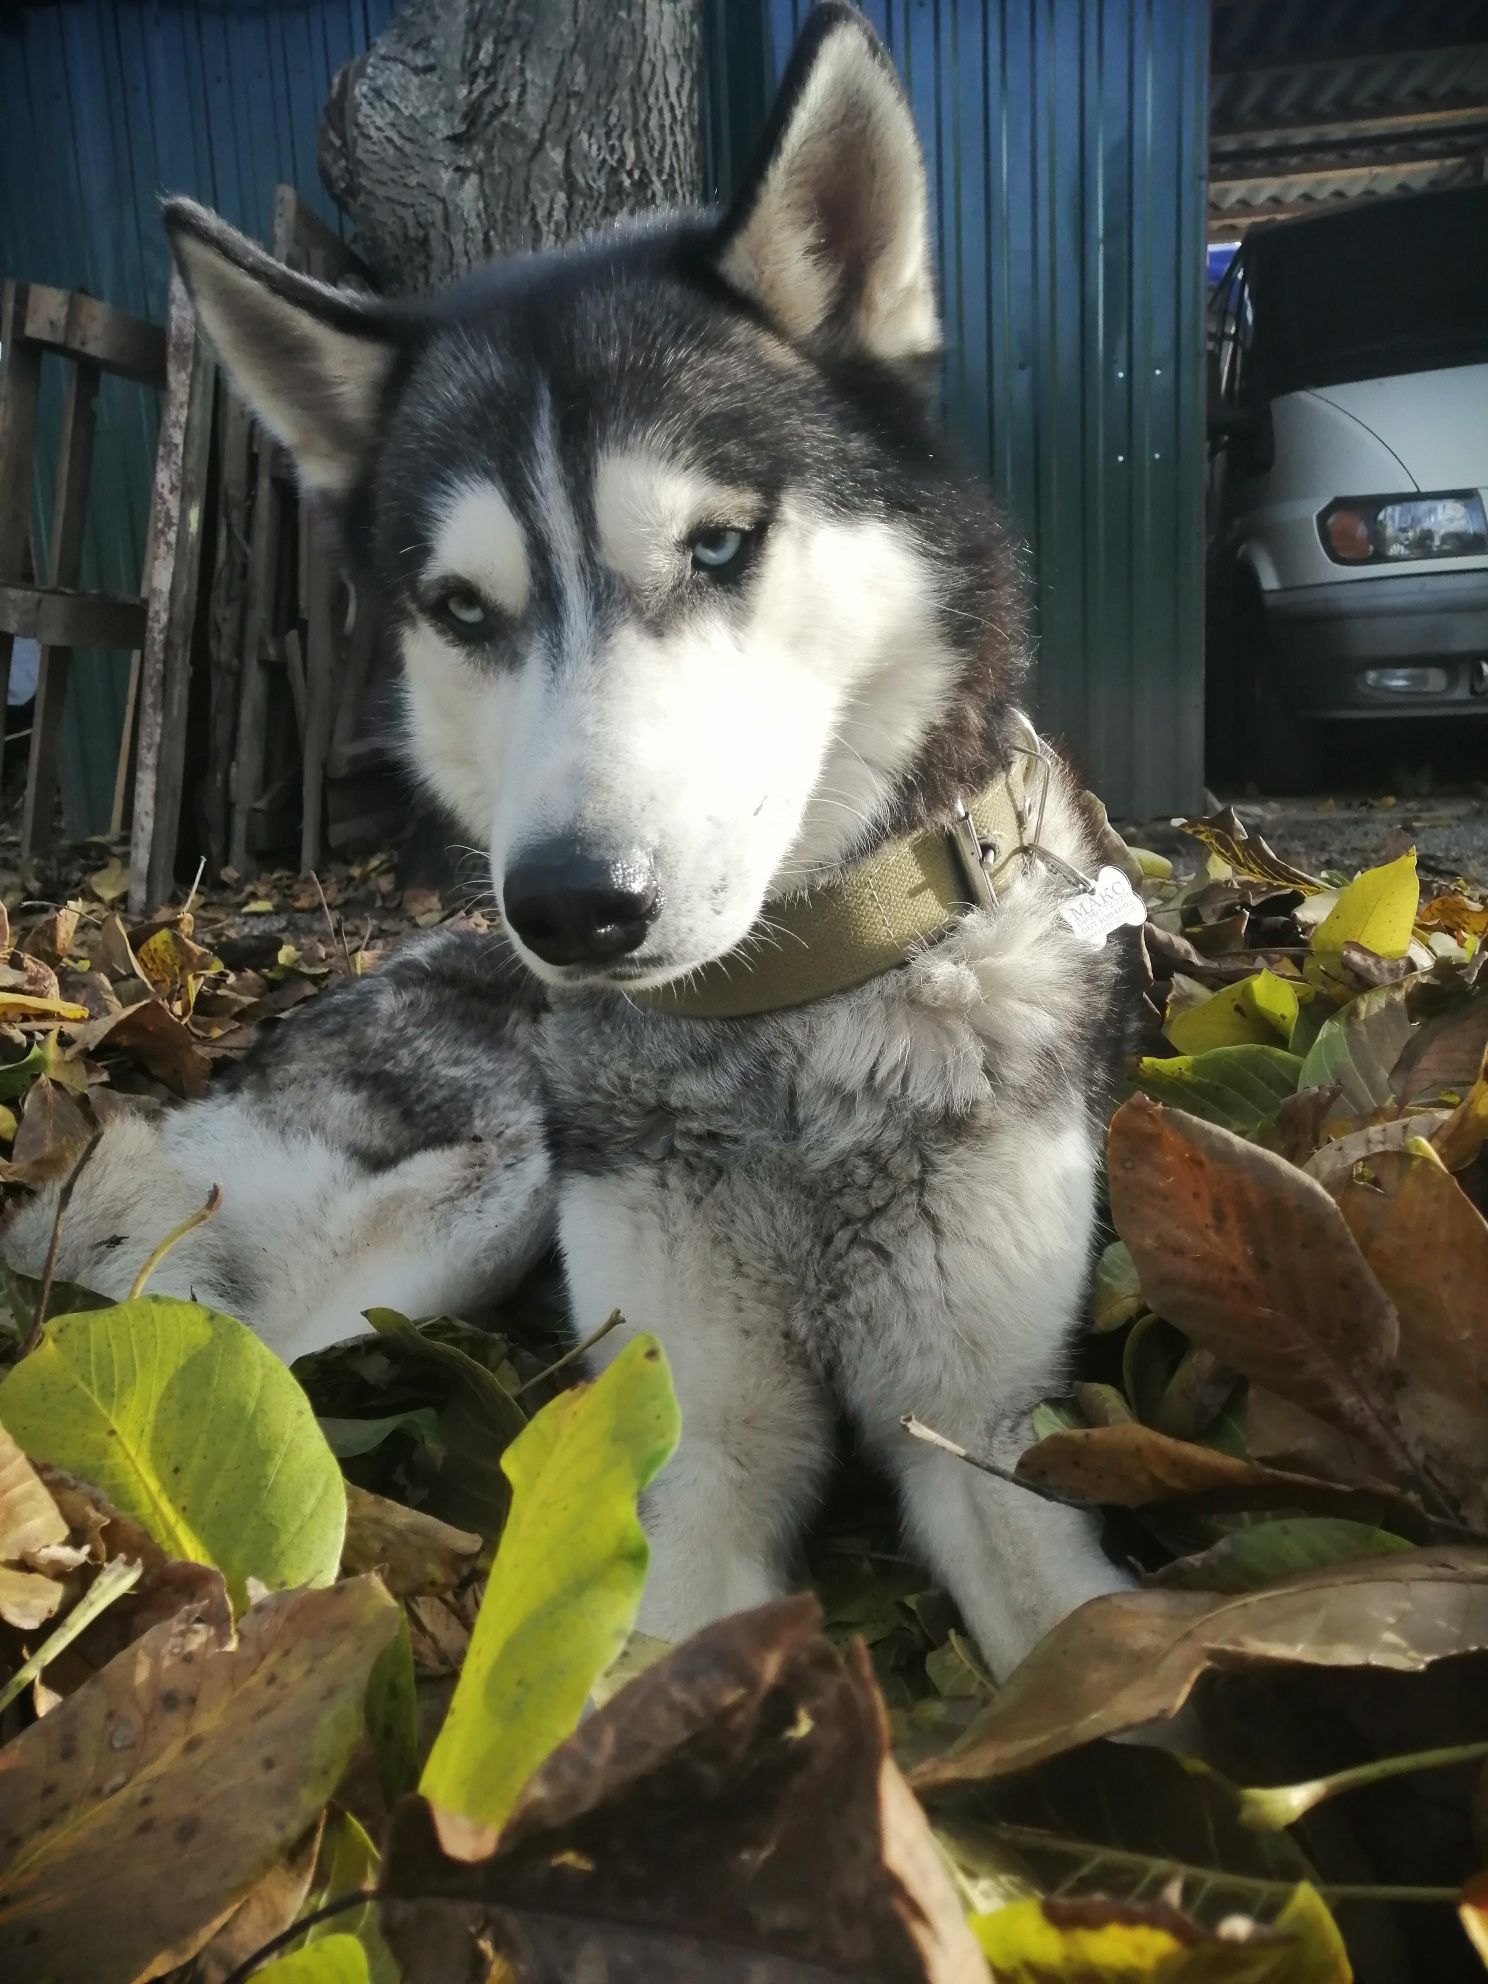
(1272, 746)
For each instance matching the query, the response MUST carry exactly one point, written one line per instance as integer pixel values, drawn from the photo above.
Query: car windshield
(1401, 286)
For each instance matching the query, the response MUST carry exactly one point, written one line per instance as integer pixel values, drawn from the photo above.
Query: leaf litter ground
(1283, 1411)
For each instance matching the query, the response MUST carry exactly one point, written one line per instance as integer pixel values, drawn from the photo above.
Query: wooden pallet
(88, 339)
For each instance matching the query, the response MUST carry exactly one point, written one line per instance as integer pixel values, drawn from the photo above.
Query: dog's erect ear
(311, 361)
(830, 237)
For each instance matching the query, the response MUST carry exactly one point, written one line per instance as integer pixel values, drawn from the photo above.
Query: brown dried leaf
(1427, 1244)
(1462, 1136)
(1253, 1260)
(1335, 1160)
(152, 1035)
(29, 1517)
(209, 1753)
(1445, 1052)
(268, 1908)
(415, 1554)
(53, 937)
(1131, 1466)
(52, 1131)
(1129, 1659)
(732, 1814)
(27, 1599)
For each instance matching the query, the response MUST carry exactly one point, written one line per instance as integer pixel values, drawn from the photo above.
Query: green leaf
(348, 1860)
(563, 1593)
(1262, 1552)
(348, 1438)
(17, 1076)
(1240, 1088)
(186, 1421)
(1116, 1293)
(392, 1715)
(1359, 1047)
(1377, 910)
(1261, 1010)
(336, 1959)
(475, 1427)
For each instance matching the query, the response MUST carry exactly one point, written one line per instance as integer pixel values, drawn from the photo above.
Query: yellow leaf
(1024, 1946)
(1259, 1011)
(1097, 1941)
(20, 1006)
(1377, 910)
(109, 883)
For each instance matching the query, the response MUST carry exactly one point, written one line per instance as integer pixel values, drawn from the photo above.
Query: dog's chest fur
(882, 1168)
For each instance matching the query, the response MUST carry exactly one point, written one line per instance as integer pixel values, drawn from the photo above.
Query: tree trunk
(474, 128)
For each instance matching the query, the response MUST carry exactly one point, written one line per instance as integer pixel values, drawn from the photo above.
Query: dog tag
(1107, 905)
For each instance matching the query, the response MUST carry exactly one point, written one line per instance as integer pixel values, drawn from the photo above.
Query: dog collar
(873, 916)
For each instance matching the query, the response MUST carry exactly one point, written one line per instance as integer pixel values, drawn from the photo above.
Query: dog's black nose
(575, 908)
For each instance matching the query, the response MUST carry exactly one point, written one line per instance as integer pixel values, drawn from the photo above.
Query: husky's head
(691, 607)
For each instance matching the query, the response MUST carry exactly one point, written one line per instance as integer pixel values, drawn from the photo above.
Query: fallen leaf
(1455, 913)
(732, 1814)
(111, 881)
(1225, 834)
(30, 1520)
(563, 1593)
(1377, 910)
(1357, 1049)
(52, 938)
(1115, 1294)
(211, 1753)
(152, 1035)
(338, 1959)
(53, 1130)
(1134, 1657)
(1251, 1258)
(147, 1402)
(413, 1552)
(1094, 1941)
(1427, 1245)
(1261, 1552)
(268, 1908)
(1261, 1009)
(1130, 1466)
(27, 1598)
(1461, 1137)
(18, 1006)
(1240, 1088)
(1335, 1160)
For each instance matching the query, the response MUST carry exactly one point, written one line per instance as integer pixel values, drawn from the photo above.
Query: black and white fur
(881, 1203)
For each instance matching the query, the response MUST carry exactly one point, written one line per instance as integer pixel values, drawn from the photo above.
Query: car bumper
(1337, 646)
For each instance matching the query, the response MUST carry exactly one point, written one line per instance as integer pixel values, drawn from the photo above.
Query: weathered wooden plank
(20, 380)
(226, 611)
(58, 618)
(263, 570)
(69, 509)
(83, 328)
(165, 658)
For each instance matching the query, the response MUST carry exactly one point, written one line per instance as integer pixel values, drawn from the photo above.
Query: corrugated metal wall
(1067, 142)
(105, 105)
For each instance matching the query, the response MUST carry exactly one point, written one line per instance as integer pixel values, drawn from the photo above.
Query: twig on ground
(49, 1266)
(253, 1964)
(953, 1447)
(579, 1350)
(331, 924)
(157, 1254)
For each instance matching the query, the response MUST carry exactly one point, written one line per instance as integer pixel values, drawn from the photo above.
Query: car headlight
(1381, 530)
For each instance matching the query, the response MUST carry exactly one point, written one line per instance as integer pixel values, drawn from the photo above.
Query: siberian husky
(701, 629)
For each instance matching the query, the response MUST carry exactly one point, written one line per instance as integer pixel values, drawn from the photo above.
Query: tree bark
(475, 128)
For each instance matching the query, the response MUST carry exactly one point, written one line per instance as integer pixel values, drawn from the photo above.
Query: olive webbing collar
(908, 894)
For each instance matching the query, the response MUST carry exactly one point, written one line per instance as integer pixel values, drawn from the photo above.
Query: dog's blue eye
(717, 550)
(466, 609)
